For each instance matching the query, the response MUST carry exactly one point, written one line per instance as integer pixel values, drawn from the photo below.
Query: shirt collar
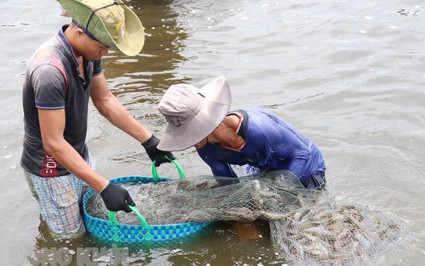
(242, 128)
(68, 48)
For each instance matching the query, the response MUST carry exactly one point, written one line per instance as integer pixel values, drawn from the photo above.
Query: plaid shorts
(59, 199)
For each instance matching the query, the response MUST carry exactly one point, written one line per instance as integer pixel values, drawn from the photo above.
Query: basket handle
(178, 166)
(114, 221)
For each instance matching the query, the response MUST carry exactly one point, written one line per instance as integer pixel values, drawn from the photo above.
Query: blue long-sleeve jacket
(271, 144)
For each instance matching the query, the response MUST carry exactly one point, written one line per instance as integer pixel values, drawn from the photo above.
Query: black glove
(159, 156)
(116, 198)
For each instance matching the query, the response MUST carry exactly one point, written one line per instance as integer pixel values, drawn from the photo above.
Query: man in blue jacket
(253, 137)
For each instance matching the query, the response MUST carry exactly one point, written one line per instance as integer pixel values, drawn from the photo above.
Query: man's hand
(116, 198)
(159, 156)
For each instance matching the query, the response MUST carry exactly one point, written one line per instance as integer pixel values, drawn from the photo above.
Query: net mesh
(304, 224)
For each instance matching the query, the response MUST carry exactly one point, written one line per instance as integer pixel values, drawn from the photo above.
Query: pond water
(347, 74)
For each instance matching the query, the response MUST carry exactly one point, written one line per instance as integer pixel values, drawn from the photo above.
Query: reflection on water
(153, 70)
(348, 74)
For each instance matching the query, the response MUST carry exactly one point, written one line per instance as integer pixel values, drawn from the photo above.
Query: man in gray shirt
(60, 78)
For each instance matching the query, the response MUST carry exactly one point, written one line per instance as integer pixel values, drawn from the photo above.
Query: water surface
(347, 74)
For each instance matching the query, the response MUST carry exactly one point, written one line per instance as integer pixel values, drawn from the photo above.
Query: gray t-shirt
(52, 81)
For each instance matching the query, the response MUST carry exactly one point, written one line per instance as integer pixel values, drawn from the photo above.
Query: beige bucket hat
(110, 22)
(192, 113)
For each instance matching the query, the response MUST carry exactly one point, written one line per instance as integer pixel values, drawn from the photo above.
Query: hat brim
(134, 37)
(215, 107)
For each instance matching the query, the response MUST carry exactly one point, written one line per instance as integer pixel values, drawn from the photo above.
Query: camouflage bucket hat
(110, 22)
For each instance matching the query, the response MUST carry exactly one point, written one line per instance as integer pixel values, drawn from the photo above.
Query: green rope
(114, 229)
(116, 232)
(178, 166)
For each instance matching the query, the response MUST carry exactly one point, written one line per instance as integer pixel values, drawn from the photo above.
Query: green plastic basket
(112, 231)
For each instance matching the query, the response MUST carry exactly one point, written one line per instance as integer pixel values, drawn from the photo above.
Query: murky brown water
(348, 74)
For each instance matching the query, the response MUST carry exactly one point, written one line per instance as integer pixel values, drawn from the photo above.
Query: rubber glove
(116, 198)
(159, 156)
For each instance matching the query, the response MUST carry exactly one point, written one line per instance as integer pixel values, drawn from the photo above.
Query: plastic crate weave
(112, 231)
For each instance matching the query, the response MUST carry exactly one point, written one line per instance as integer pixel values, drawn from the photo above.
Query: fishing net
(304, 224)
